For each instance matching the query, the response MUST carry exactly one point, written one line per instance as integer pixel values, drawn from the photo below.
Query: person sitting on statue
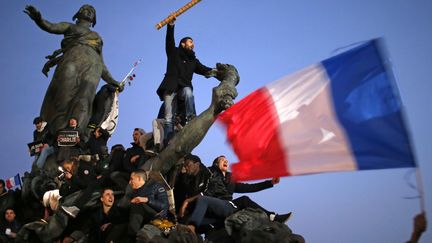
(97, 143)
(181, 65)
(71, 179)
(7, 198)
(158, 131)
(217, 199)
(149, 200)
(130, 161)
(89, 181)
(9, 227)
(79, 68)
(69, 142)
(108, 221)
(192, 180)
(102, 105)
(42, 134)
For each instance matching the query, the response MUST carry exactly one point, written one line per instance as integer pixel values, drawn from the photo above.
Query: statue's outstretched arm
(193, 133)
(106, 75)
(53, 28)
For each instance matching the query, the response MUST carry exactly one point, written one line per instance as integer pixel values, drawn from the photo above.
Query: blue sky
(265, 40)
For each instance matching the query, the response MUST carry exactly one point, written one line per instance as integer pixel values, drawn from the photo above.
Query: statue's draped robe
(76, 77)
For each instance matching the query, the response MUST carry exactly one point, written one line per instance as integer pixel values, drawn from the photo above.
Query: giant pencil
(177, 13)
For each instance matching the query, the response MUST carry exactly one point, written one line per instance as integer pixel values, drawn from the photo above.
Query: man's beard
(189, 53)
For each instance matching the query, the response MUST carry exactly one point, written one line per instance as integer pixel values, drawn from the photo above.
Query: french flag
(13, 182)
(342, 114)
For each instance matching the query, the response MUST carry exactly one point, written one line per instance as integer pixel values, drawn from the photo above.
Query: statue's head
(87, 12)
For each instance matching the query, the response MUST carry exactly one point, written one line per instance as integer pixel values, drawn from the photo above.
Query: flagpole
(420, 189)
(20, 181)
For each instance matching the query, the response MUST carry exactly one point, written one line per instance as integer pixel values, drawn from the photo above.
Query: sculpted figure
(182, 143)
(79, 67)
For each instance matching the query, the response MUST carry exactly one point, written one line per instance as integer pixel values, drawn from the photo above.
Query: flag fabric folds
(110, 122)
(13, 182)
(341, 114)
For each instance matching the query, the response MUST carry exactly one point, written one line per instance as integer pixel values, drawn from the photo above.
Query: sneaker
(150, 152)
(157, 148)
(71, 211)
(282, 218)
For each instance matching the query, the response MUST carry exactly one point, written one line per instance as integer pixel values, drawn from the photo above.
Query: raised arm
(53, 28)
(254, 187)
(169, 39)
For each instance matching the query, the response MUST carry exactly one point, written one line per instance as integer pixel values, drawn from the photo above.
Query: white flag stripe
(305, 109)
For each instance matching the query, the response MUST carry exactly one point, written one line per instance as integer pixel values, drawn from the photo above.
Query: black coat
(222, 187)
(187, 186)
(83, 177)
(14, 226)
(43, 136)
(157, 196)
(98, 218)
(66, 152)
(98, 145)
(131, 152)
(181, 66)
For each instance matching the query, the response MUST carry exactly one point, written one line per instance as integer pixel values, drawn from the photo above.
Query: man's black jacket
(222, 187)
(181, 65)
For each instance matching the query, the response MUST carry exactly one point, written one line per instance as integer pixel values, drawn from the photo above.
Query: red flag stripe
(253, 132)
(9, 184)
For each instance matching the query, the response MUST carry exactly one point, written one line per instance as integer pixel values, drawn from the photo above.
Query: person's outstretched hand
(172, 22)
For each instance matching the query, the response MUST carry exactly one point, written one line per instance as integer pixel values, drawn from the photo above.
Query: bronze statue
(182, 144)
(80, 66)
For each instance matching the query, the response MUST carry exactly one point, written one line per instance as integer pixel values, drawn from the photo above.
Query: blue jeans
(40, 160)
(212, 206)
(185, 94)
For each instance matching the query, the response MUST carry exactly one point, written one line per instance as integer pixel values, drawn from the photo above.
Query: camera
(62, 174)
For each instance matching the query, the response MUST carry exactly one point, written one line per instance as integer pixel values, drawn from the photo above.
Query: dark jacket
(98, 218)
(221, 187)
(199, 183)
(181, 65)
(43, 136)
(14, 226)
(130, 152)
(80, 180)
(187, 186)
(98, 145)
(66, 152)
(157, 196)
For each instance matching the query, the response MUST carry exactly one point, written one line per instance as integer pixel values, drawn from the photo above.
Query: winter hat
(37, 120)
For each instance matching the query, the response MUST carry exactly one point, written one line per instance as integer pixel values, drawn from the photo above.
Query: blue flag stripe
(369, 109)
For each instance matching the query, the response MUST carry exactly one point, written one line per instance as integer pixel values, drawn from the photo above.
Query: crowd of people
(105, 195)
(203, 197)
(127, 197)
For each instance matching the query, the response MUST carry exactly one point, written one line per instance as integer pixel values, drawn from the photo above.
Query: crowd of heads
(122, 169)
